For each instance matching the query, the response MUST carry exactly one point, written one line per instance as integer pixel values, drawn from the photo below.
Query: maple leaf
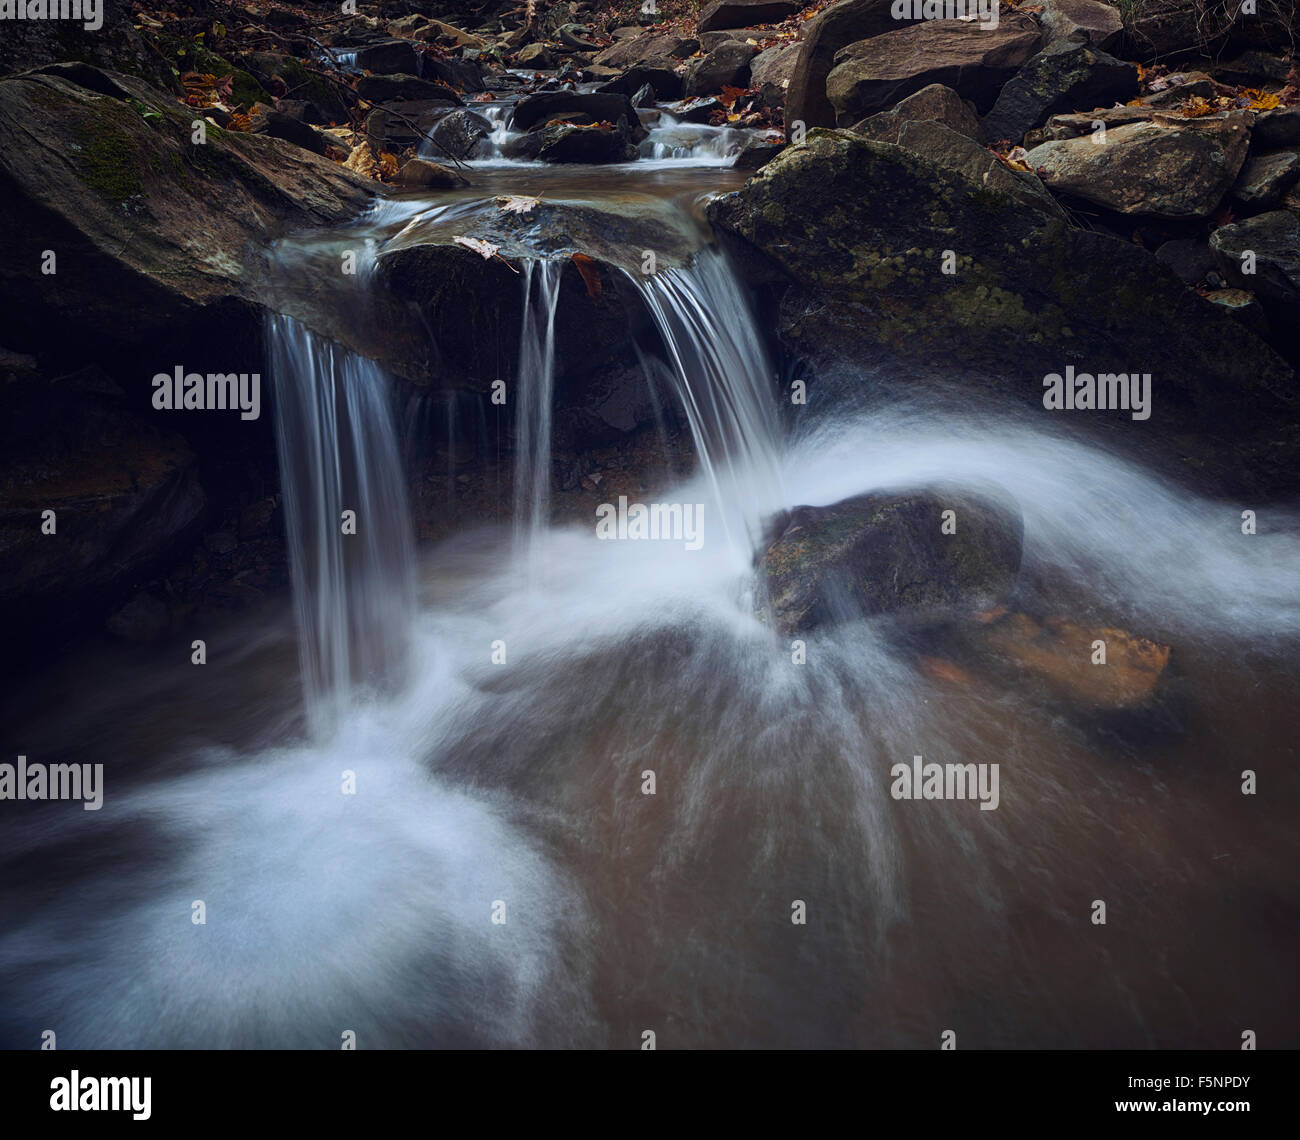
(485, 249)
(517, 203)
(730, 95)
(590, 273)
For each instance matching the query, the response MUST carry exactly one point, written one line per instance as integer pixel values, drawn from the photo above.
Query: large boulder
(662, 80)
(935, 103)
(934, 253)
(141, 218)
(460, 134)
(1087, 21)
(891, 553)
(608, 107)
(1272, 242)
(876, 73)
(1154, 169)
(774, 65)
(596, 143)
(1264, 179)
(389, 57)
(1068, 76)
(727, 65)
(838, 26)
(723, 15)
(652, 46)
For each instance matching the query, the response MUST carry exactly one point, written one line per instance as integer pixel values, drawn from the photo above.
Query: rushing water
(454, 844)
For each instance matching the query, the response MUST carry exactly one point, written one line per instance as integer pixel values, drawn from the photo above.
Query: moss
(109, 161)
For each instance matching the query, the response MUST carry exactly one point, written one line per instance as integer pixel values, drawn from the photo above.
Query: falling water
(536, 378)
(724, 381)
(354, 574)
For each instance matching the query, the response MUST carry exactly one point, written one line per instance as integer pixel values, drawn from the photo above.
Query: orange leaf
(590, 273)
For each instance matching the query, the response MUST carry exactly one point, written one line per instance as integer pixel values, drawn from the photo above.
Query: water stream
(497, 873)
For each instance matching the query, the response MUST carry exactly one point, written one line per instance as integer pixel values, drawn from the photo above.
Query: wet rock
(1264, 179)
(725, 66)
(598, 143)
(888, 553)
(157, 226)
(1059, 655)
(421, 174)
(460, 134)
(281, 126)
(391, 88)
(848, 22)
(876, 73)
(758, 152)
(1155, 170)
(600, 108)
(696, 110)
(1089, 21)
(935, 103)
(1065, 77)
(1254, 69)
(574, 36)
(390, 57)
(257, 519)
(859, 229)
(1274, 241)
(1277, 128)
(467, 74)
(725, 14)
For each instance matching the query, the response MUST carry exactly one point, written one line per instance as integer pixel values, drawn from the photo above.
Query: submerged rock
(1066, 658)
(886, 553)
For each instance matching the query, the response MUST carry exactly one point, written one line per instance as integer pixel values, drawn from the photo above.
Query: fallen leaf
(590, 273)
(517, 203)
(485, 249)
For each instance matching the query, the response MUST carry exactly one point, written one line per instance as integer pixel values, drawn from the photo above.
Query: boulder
(1087, 21)
(1277, 128)
(1274, 240)
(597, 143)
(653, 46)
(838, 26)
(388, 57)
(1189, 259)
(726, 14)
(935, 103)
(143, 220)
(1057, 655)
(536, 110)
(1264, 179)
(459, 134)
(888, 553)
(696, 110)
(467, 74)
(535, 56)
(876, 73)
(1158, 170)
(663, 80)
(727, 65)
(421, 174)
(1068, 76)
(861, 232)
(281, 126)
(774, 65)
(758, 152)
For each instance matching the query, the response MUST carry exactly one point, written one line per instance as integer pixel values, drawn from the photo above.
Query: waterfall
(353, 584)
(724, 380)
(536, 379)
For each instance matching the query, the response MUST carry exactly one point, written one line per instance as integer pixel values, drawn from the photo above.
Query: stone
(1068, 76)
(1274, 240)
(421, 174)
(725, 14)
(876, 73)
(725, 66)
(390, 57)
(774, 65)
(1264, 179)
(1088, 21)
(888, 553)
(1155, 170)
(459, 134)
(934, 103)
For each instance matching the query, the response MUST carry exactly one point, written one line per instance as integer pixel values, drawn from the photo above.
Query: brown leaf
(590, 273)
